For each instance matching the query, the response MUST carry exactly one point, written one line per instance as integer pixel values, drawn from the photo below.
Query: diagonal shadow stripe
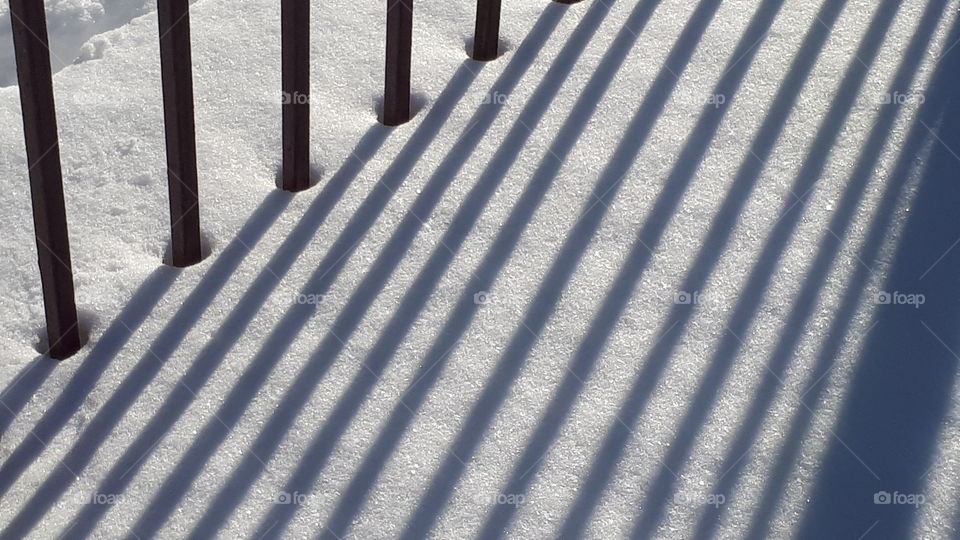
(140, 375)
(133, 314)
(241, 395)
(902, 386)
(717, 236)
(848, 307)
(750, 300)
(21, 389)
(182, 322)
(583, 363)
(176, 403)
(376, 362)
(89, 372)
(733, 462)
(634, 137)
(295, 398)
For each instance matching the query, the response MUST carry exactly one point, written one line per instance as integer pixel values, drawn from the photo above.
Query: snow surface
(479, 320)
(70, 25)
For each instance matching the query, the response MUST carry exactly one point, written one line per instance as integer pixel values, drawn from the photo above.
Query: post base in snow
(295, 50)
(184, 259)
(31, 46)
(295, 183)
(486, 36)
(65, 344)
(399, 115)
(177, 80)
(66, 350)
(396, 95)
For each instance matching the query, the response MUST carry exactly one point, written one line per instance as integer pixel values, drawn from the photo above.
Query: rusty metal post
(46, 181)
(486, 36)
(295, 30)
(177, 75)
(396, 96)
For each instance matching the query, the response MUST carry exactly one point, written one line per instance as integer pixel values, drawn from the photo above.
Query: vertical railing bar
(46, 180)
(177, 79)
(396, 96)
(295, 30)
(486, 37)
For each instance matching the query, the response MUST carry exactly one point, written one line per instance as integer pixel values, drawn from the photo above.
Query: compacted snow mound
(70, 23)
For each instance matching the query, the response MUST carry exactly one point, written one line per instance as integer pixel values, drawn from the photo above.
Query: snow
(70, 26)
(551, 303)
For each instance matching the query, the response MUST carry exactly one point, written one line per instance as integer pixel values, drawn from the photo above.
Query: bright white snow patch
(202, 359)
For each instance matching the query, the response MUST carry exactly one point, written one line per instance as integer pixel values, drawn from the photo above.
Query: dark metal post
(396, 97)
(295, 30)
(46, 182)
(177, 75)
(486, 37)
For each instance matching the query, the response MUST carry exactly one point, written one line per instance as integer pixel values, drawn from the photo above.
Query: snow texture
(622, 280)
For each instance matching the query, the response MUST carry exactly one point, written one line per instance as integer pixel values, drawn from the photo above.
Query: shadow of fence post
(29, 26)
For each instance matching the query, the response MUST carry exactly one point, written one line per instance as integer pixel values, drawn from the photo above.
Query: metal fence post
(396, 97)
(486, 36)
(295, 30)
(177, 74)
(46, 182)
